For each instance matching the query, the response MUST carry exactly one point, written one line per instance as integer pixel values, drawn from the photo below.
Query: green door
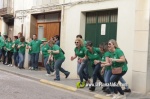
(101, 26)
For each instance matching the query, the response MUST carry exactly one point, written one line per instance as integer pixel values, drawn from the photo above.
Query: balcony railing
(6, 11)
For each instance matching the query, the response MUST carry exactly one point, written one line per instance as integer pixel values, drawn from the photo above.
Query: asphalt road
(15, 87)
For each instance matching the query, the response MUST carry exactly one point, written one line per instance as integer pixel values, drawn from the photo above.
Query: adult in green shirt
(35, 47)
(4, 51)
(92, 54)
(15, 44)
(21, 51)
(1, 46)
(59, 57)
(9, 51)
(84, 44)
(45, 47)
(80, 53)
(118, 60)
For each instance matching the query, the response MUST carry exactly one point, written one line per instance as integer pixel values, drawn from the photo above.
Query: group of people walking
(108, 60)
(109, 65)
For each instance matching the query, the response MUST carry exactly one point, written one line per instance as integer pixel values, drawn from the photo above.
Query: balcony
(6, 11)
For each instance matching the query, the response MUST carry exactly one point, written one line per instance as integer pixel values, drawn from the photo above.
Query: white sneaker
(53, 73)
(47, 74)
(11, 65)
(8, 65)
(115, 96)
(121, 97)
(109, 95)
(30, 68)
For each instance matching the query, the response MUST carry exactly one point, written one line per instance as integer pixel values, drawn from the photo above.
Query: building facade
(127, 21)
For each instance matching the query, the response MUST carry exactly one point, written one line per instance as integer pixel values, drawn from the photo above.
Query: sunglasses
(76, 42)
(109, 43)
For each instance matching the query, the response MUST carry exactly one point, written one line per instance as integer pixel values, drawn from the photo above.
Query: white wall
(74, 24)
(4, 27)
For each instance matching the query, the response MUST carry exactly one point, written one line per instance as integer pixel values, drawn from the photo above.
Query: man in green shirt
(1, 43)
(35, 47)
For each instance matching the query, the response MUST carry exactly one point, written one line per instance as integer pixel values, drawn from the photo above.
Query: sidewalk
(68, 84)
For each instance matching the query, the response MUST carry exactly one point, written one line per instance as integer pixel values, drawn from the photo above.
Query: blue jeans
(107, 76)
(34, 59)
(124, 82)
(47, 66)
(58, 68)
(16, 59)
(21, 60)
(1, 53)
(29, 60)
(81, 71)
(115, 79)
(96, 73)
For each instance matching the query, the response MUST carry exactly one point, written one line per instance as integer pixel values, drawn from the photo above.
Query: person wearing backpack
(59, 57)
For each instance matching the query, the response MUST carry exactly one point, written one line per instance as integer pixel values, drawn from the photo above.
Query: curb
(58, 85)
(98, 96)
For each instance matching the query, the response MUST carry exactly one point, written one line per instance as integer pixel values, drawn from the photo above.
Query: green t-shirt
(95, 55)
(9, 46)
(1, 38)
(80, 52)
(35, 46)
(45, 49)
(60, 55)
(22, 48)
(4, 44)
(106, 54)
(1, 44)
(116, 55)
(16, 42)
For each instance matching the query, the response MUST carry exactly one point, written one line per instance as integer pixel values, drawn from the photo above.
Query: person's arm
(106, 63)
(121, 57)
(73, 57)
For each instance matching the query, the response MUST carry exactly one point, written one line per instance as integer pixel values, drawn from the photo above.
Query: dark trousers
(9, 57)
(16, 58)
(96, 74)
(34, 59)
(1, 54)
(114, 79)
(4, 55)
(58, 68)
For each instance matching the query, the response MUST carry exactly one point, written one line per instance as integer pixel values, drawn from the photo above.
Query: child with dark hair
(9, 51)
(21, 47)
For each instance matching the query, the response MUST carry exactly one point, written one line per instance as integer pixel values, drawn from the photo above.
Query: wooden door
(52, 30)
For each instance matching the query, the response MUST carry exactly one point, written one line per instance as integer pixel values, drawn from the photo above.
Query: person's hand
(41, 52)
(102, 65)
(49, 51)
(13, 45)
(72, 58)
(51, 58)
(22, 44)
(96, 62)
(102, 72)
(47, 62)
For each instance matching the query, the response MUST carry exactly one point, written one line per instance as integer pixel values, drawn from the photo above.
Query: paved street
(15, 87)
